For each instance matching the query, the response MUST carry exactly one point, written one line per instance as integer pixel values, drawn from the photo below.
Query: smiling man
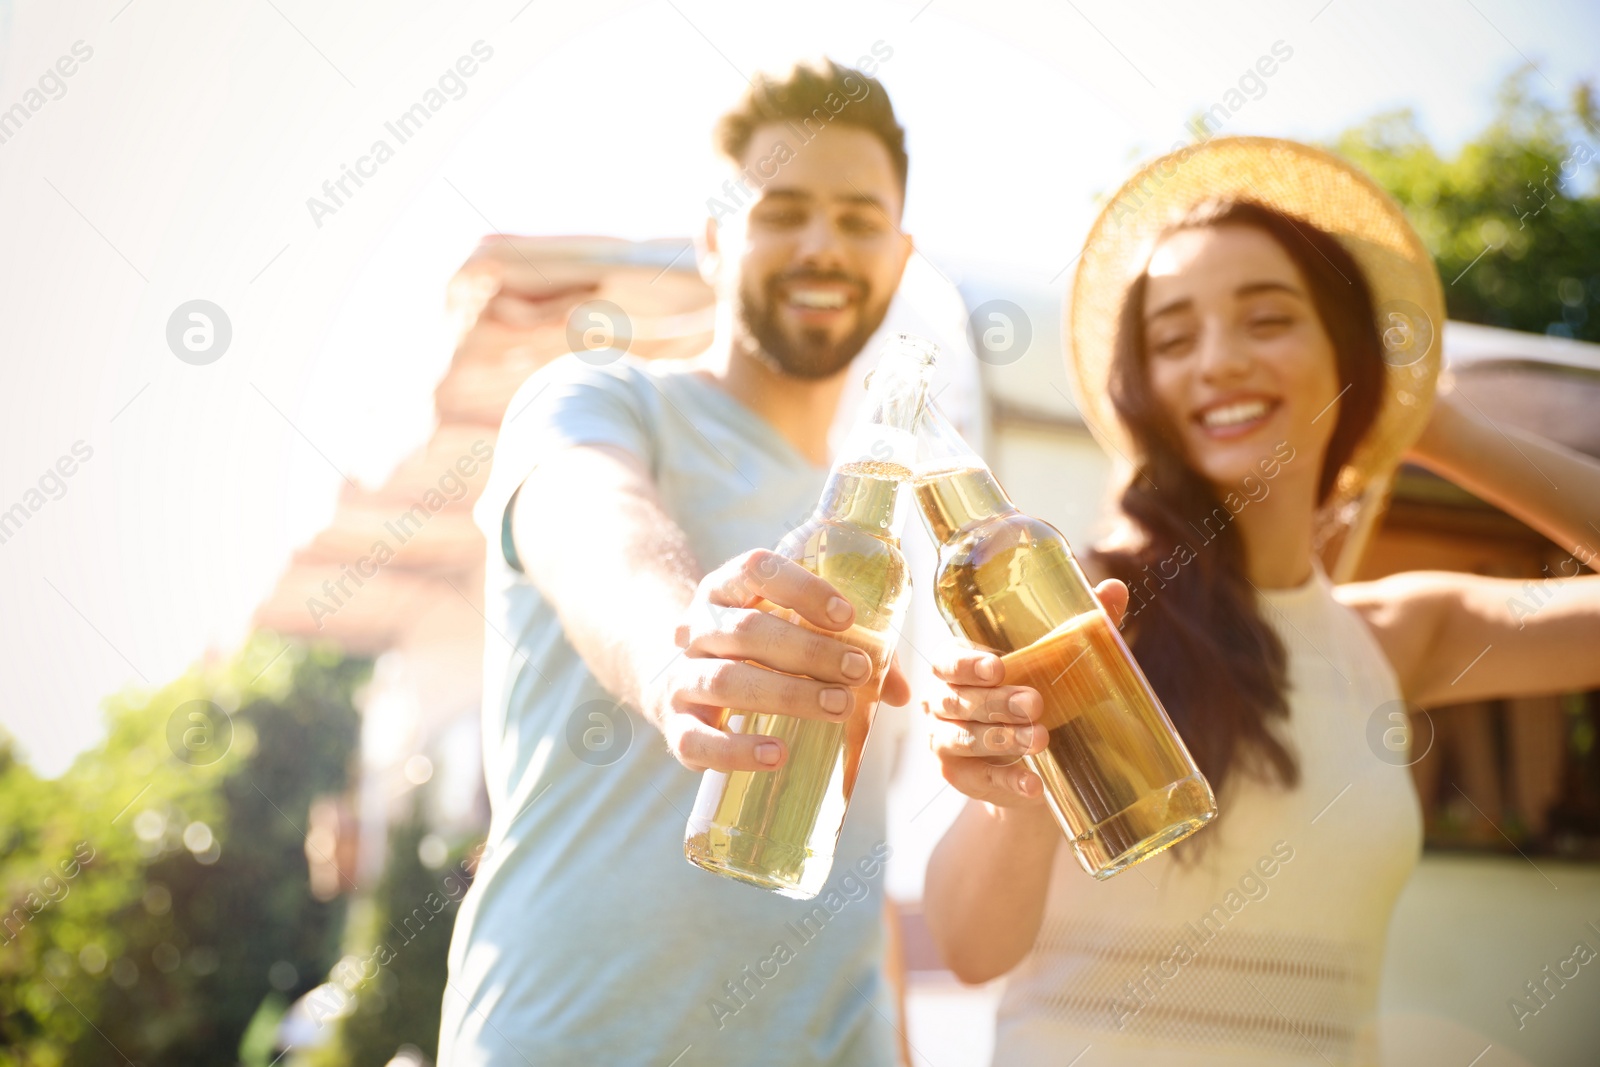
(628, 514)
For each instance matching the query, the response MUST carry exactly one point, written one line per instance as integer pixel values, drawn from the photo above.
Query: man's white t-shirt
(587, 938)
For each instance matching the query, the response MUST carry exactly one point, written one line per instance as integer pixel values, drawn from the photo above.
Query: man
(619, 490)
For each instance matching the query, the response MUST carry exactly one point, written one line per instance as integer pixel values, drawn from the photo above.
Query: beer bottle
(1116, 776)
(778, 829)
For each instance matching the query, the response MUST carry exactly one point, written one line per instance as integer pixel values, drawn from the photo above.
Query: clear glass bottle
(1116, 775)
(778, 829)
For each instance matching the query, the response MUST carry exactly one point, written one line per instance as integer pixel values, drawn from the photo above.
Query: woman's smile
(1236, 415)
(1238, 358)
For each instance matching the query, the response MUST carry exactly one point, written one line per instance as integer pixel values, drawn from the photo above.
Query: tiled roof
(400, 548)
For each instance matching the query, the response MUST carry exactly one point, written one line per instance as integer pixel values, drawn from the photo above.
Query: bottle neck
(955, 499)
(863, 488)
(863, 494)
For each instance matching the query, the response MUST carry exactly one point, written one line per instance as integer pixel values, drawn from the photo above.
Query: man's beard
(813, 355)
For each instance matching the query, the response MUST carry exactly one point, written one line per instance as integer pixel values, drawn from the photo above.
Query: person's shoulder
(1399, 607)
(607, 371)
(605, 368)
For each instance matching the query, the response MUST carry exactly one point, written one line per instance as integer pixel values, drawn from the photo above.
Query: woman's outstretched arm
(1458, 637)
(1551, 488)
(987, 883)
(989, 877)
(1454, 638)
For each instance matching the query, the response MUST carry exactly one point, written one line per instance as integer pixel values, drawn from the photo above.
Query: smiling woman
(1231, 344)
(1242, 319)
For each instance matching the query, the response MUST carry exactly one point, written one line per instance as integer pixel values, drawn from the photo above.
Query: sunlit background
(177, 161)
(178, 164)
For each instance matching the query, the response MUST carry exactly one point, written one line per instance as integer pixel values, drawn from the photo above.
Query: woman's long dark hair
(1217, 666)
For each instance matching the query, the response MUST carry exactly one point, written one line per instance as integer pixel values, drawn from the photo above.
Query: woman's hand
(989, 876)
(980, 728)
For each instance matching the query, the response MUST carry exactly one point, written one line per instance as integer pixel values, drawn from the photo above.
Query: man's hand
(981, 728)
(734, 648)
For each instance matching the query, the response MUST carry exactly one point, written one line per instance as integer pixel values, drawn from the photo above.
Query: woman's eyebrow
(1183, 303)
(1252, 288)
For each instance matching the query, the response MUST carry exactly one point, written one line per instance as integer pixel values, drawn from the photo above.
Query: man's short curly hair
(808, 98)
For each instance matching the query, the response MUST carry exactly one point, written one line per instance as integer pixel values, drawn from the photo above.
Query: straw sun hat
(1308, 184)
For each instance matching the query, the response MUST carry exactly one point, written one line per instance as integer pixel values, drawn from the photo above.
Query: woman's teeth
(1233, 414)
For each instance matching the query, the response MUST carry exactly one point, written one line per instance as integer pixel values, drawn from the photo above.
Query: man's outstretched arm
(662, 636)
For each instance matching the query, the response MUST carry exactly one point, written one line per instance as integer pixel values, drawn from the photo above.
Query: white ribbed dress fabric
(1267, 949)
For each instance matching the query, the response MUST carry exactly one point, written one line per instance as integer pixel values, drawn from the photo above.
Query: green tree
(1513, 220)
(159, 888)
(392, 980)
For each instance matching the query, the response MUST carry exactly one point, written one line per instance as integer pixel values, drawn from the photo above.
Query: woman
(1246, 381)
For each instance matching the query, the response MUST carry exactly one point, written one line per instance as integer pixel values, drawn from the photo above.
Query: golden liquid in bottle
(778, 829)
(1116, 776)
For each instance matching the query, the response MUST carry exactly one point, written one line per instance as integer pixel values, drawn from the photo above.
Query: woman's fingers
(970, 667)
(1005, 786)
(1006, 704)
(980, 733)
(1007, 743)
(1114, 598)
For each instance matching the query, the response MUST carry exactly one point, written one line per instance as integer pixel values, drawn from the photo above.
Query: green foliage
(1525, 190)
(163, 875)
(391, 983)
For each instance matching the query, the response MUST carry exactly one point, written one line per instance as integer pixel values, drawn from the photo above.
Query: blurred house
(398, 576)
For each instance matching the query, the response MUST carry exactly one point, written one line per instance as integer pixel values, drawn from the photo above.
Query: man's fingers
(755, 635)
(758, 691)
(764, 575)
(1114, 598)
(896, 690)
(700, 746)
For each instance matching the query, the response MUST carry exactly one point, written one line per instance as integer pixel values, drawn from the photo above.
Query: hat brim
(1298, 180)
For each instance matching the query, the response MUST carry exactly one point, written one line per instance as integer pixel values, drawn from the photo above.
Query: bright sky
(175, 162)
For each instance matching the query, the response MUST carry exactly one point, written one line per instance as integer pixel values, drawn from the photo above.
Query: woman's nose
(1221, 356)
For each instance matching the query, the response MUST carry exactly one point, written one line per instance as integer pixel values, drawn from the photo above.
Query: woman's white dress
(1268, 949)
